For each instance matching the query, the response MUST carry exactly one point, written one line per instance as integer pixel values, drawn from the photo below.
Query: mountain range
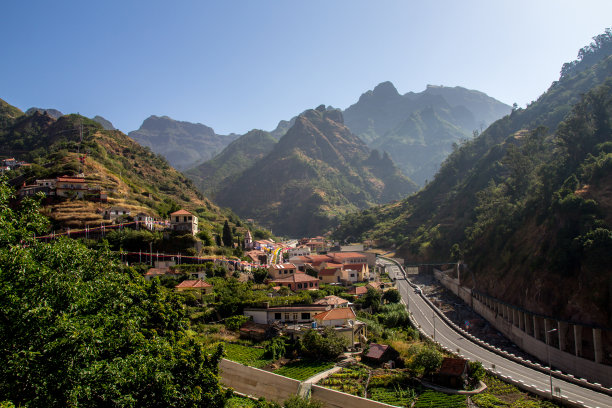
(183, 144)
(418, 130)
(317, 171)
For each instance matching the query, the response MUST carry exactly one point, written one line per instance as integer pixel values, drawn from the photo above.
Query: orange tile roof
(357, 290)
(193, 284)
(297, 277)
(335, 314)
(346, 255)
(181, 212)
(328, 272)
(284, 266)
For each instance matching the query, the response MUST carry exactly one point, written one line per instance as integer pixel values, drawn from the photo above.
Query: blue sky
(238, 65)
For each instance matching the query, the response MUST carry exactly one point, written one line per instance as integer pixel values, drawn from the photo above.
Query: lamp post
(548, 357)
(433, 317)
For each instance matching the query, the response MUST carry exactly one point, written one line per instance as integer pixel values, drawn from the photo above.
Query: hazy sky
(238, 65)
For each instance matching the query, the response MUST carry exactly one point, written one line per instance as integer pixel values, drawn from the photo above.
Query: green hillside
(318, 171)
(133, 176)
(233, 160)
(526, 204)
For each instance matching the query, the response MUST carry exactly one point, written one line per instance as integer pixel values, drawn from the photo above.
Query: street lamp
(548, 357)
(433, 316)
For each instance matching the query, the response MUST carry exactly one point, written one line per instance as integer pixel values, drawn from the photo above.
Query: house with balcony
(298, 281)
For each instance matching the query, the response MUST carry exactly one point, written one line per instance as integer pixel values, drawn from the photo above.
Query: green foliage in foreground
(80, 329)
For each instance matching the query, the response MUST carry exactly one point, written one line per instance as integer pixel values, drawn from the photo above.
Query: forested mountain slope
(317, 171)
(527, 204)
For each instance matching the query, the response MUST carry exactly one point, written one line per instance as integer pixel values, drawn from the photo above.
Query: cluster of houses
(11, 164)
(65, 187)
(338, 268)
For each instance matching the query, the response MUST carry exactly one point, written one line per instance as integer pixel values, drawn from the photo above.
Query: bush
(275, 349)
(299, 402)
(235, 322)
(325, 346)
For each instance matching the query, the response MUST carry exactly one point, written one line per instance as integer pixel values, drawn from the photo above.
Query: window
(352, 275)
(311, 284)
(277, 316)
(286, 316)
(305, 316)
(299, 286)
(295, 315)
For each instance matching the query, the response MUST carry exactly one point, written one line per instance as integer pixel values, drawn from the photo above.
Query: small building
(113, 213)
(298, 281)
(333, 301)
(357, 291)
(160, 272)
(330, 274)
(195, 284)
(70, 187)
(183, 220)
(257, 257)
(298, 251)
(280, 271)
(335, 317)
(380, 354)
(284, 314)
(453, 372)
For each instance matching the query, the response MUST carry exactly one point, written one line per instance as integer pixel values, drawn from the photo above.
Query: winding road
(432, 325)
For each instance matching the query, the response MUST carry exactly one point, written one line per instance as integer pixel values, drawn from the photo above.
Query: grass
(240, 402)
(246, 355)
(433, 399)
(500, 394)
(303, 369)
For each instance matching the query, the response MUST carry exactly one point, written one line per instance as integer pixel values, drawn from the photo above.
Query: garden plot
(303, 369)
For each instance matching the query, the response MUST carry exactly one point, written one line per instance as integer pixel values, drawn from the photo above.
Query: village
(308, 309)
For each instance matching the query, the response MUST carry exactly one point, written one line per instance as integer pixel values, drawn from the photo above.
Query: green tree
(392, 296)
(79, 328)
(260, 275)
(327, 345)
(428, 359)
(228, 238)
(372, 299)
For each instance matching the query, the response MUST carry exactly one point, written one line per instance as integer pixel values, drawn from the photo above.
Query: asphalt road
(445, 335)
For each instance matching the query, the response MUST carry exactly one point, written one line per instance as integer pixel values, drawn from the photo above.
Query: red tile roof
(355, 267)
(336, 314)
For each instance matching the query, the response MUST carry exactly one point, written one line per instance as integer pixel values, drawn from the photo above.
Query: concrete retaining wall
(259, 383)
(256, 382)
(337, 399)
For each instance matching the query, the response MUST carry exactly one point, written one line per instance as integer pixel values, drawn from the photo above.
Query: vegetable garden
(303, 369)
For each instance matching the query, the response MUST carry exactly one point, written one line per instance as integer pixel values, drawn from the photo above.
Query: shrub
(235, 322)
